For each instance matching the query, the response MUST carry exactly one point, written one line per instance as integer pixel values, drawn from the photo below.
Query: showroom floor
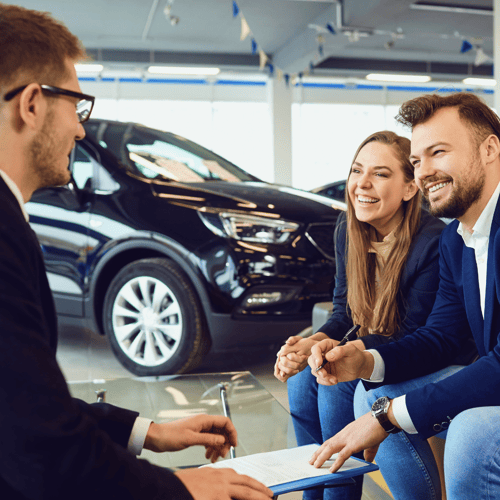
(84, 355)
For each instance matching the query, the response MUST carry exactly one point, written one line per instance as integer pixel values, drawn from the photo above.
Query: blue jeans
(318, 413)
(472, 451)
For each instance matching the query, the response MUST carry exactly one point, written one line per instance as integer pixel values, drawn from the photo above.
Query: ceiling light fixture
(484, 82)
(89, 68)
(380, 77)
(181, 70)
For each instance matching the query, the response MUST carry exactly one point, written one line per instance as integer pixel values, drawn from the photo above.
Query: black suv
(171, 250)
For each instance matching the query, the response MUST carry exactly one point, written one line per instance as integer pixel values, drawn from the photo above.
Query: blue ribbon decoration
(466, 46)
(236, 9)
(330, 28)
(254, 46)
(271, 69)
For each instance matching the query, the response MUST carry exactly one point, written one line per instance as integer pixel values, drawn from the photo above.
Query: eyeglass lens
(83, 110)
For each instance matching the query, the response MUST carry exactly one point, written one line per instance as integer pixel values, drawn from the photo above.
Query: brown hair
(34, 48)
(480, 118)
(379, 312)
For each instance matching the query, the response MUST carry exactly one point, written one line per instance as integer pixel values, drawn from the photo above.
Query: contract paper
(284, 466)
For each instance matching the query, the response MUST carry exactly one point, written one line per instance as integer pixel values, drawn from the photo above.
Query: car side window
(82, 167)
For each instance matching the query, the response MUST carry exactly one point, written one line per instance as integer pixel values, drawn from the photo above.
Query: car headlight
(249, 228)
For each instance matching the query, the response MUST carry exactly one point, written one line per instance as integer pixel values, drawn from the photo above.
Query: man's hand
(365, 433)
(222, 484)
(292, 357)
(344, 363)
(216, 433)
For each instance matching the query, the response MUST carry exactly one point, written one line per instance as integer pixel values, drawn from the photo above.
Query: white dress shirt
(478, 240)
(141, 425)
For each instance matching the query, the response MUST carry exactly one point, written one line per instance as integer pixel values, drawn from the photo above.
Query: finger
(323, 453)
(340, 460)
(295, 357)
(239, 492)
(293, 340)
(224, 426)
(286, 365)
(250, 483)
(369, 453)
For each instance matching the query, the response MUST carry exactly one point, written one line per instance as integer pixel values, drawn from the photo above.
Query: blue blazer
(456, 311)
(418, 285)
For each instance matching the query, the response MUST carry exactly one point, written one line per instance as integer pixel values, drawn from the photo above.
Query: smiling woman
(386, 252)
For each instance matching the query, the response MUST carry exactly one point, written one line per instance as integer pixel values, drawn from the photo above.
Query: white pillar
(280, 106)
(496, 52)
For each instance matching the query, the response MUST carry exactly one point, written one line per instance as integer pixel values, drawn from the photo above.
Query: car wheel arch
(128, 251)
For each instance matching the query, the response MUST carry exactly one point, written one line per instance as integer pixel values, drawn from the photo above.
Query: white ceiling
(137, 32)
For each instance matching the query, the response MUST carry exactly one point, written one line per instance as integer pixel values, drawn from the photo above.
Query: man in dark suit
(52, 445)
(456, 152)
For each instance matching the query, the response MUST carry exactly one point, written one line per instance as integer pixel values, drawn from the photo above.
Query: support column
(280, 106)
(496, 52)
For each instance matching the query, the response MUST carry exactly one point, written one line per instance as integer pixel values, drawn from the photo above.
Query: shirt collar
(16, 192)
(482, 227)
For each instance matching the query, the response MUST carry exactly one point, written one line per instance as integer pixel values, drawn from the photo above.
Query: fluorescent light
(88, 68)
(379, 77)
(180, 70)
(485, 82)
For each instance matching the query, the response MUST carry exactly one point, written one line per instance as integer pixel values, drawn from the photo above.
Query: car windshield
(154, 154)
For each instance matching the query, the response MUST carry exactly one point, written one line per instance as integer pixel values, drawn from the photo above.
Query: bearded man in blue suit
(456, 153)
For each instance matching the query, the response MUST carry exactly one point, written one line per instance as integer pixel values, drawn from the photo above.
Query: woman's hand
(292, 357)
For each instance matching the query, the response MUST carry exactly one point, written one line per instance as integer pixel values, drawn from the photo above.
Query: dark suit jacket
(456, 310)
(418, 284)
(53, 446)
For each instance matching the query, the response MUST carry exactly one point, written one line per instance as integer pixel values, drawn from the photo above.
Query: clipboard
(338, 478)
(288, 470)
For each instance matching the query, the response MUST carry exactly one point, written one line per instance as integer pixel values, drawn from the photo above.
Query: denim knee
(472, 455)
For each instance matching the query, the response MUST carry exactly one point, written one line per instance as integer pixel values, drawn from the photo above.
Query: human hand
(215, 432)
(292, 357)
(343, 363)
(365, 433)
(222, 484)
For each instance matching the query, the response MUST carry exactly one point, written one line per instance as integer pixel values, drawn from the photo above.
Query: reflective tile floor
(85, 356)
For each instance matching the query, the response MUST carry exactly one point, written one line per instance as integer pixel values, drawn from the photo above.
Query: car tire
(153, 319)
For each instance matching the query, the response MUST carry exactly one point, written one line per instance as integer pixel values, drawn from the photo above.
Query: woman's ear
(410, 191)
(32, 106)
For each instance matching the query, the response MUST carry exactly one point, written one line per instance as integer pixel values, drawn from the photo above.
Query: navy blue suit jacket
(456, 311)
(417, 288)
(53, 446)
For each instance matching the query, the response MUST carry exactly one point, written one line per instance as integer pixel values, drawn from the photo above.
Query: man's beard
(44, 160)
(466, 193)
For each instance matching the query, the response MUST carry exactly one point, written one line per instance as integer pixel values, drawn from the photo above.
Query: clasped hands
(343, 364)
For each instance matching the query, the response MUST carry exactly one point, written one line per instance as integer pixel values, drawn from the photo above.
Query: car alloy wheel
(153, 319)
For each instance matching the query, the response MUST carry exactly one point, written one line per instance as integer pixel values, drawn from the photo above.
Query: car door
(60, 218)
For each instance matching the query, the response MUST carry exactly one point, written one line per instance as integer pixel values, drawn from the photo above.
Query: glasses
(84, 106)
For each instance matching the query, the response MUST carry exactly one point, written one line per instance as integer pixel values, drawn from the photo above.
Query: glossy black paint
(109, 217)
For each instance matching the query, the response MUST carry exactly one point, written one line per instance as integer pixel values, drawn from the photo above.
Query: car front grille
(320, 234)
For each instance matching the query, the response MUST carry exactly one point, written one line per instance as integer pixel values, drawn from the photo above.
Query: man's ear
(411, 190)
(490, 148)
(32, 106)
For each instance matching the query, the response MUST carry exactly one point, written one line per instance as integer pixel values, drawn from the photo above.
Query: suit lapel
(471, 293)
(492, 280)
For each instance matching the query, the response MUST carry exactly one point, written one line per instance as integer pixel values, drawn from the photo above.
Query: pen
(344, 341)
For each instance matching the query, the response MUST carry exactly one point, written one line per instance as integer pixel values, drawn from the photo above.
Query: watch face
(379, 405)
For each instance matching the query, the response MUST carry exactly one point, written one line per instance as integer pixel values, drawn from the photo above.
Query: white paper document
(283, 466)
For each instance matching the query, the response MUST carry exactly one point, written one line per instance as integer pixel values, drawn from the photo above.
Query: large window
(238, 131)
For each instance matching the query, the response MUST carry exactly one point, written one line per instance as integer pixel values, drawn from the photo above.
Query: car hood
(256, 198)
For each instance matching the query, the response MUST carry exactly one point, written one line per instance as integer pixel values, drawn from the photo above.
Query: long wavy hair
(377, 309)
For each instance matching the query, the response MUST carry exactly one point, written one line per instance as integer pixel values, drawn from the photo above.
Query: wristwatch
(379, 411)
